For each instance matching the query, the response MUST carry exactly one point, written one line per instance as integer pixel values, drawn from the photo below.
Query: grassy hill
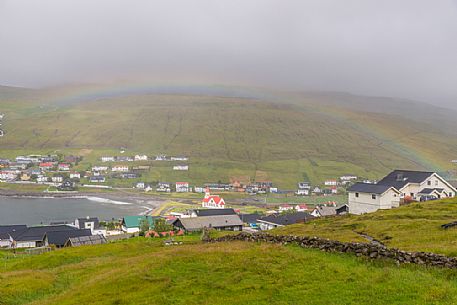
(143, 271)
(285, 138)
(416, 227)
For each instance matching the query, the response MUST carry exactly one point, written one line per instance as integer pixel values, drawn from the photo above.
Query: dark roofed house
(12, 228)
(280, 220)
(59, 238)
(211, 212)
(218, 222)
(250, 219)
(371, 188)
(91, 223)
(34, 236)
(85, 240)
(399, 178)
(399, 186)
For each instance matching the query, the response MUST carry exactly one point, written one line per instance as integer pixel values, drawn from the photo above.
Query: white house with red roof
(301, 208)
(212, 201)
(285, 207)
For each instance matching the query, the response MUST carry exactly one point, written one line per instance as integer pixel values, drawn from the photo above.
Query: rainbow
(69, 95)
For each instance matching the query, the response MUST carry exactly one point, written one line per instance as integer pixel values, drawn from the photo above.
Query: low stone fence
(373, 251)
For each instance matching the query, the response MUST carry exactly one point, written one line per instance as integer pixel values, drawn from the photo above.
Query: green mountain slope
(285, 138)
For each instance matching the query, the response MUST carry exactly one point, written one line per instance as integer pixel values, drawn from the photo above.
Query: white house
(398, 185)
(75, 175)
(180, 158)
(285, 207)
(120, 168)
(98, 168)
(182, 187)
(331, 182)
(57, 179)
(108, 159)
(348, 177)
(181, 167)
(141, 158)
(42, 179)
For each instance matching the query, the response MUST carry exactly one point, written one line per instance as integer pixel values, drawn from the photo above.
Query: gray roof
(287, 219)
(37, 233)
(214, 212)
(59, 238)
(361, 187)
(430, 190)
(82, 222)
(12, 228)
(400, 178)
(326, 211)
(86, 240)
(219, 221)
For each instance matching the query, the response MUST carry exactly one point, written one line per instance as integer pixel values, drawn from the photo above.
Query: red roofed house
(46, 165)
(212, 201)
(64, 167)
(285, 207)
(301, 207)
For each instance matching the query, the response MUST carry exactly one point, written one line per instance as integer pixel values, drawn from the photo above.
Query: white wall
(366, 204)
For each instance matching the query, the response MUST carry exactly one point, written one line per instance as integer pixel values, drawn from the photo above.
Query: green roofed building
(131, 224)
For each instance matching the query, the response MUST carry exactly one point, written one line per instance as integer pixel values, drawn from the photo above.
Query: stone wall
(373, 251)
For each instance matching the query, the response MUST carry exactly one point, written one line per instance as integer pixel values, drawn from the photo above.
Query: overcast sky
(402, 48)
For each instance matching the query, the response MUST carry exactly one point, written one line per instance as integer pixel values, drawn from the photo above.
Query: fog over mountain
(400, 48)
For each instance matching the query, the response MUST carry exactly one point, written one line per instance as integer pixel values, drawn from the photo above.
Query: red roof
(285, 206)
(46, 164)
(216, 199)
(182, 183)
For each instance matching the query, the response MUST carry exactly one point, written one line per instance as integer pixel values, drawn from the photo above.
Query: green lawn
(415, 227)
(142, 271)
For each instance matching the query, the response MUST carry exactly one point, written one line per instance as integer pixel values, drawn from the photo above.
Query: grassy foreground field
(143, 271)
(416, 227)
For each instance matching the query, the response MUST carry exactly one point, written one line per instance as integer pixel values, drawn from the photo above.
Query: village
(398, 188)
(59, 173)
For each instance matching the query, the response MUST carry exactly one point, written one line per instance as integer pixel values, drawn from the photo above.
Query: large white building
(398, 185)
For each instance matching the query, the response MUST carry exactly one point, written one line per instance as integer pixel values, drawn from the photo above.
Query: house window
(436, 182)
(429, 182)
(357, 195)
(373, 196)
(412, 194)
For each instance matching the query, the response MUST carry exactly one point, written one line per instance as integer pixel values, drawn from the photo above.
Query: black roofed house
(397, 186)
(85, 240)
(218, 222)
(250, 219)
(34, 236)
(280, 220)
(91, 223)
(5, 234)
(211, 212)
(59, 238)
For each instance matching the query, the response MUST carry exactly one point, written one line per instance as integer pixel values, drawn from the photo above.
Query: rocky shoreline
(370, 250)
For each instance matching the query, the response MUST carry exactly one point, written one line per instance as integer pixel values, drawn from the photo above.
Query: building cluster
(84, 231)
(398, 187)
(138, 158)
(49, 169)
(2, 133)
(330, 186)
